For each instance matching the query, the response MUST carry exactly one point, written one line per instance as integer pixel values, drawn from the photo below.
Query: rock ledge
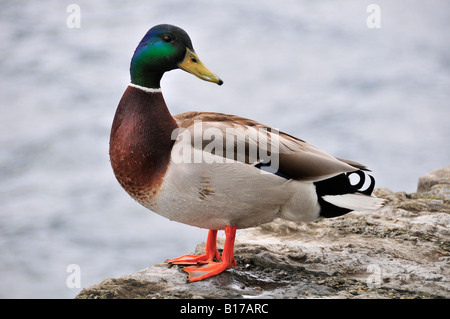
(400, 251)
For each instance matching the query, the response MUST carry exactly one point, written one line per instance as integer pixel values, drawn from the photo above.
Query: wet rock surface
(399, 251)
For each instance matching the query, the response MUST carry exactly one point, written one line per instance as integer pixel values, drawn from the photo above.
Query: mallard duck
(196, 167)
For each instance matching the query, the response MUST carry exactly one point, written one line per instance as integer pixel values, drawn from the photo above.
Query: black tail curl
(340, 185)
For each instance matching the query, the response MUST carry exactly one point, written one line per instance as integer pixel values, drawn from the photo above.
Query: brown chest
(140, 142)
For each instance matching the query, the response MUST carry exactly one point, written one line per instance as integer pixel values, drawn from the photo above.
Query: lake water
(313, 69)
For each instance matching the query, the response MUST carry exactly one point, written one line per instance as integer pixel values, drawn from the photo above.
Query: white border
(143, 88)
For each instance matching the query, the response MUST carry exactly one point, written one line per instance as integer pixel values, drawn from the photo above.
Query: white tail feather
(354, 201)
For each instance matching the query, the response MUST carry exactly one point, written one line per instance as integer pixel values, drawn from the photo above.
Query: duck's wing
(237, 138)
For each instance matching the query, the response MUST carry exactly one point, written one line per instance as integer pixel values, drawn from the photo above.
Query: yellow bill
(192, 64)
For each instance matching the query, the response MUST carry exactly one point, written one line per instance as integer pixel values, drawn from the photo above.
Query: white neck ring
(145, 89)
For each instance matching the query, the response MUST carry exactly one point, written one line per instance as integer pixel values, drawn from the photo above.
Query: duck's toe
(194, 259)
(200, 272)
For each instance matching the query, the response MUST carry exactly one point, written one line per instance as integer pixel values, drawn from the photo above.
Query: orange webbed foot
(192, 259)
(210, 254)
(200, 272)
(211, 268)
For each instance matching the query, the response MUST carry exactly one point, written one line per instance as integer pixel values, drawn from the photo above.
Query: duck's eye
(167, 38)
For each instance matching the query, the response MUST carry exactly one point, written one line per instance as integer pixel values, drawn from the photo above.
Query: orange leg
(210, 253)
(211, 268)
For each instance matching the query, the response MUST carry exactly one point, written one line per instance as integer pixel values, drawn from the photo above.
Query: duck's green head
(164, 48)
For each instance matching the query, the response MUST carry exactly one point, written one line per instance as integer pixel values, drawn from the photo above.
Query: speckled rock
(399, 251)
(439, 176)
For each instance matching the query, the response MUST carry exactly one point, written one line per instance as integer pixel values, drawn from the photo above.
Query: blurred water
(310, 68)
